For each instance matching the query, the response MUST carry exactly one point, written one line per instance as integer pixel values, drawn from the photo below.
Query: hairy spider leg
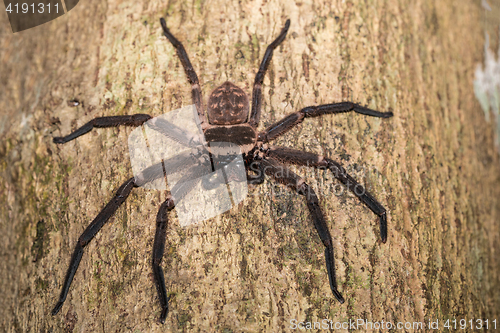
(297, 157)
(176, 133)
(293, 119)
(286, 177)
(190, 72)
(179, 191)
(156, 171)
(259, 77)
(160, 125)
(89, 233)
(101, 122)
(158, 250)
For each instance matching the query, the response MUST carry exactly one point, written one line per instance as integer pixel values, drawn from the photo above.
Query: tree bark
(261, 265)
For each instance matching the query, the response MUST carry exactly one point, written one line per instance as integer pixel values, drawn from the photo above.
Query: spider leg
(158, 124)
(285, 124)
(155, 171)
(175, 132)
(115, 121)
(259, 77)
(286, 177)
(158, 249)
(166, 167)
(297, 157)
(188, 68)
(179, 191)
(89, 233)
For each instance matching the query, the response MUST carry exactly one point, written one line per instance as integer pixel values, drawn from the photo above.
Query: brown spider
(229, 121)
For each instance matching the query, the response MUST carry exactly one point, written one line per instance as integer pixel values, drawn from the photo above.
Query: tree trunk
(261, 265)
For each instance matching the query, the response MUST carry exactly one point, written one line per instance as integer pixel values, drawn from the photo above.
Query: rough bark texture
(261, 264)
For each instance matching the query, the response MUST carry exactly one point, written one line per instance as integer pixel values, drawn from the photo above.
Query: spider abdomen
(242, 135)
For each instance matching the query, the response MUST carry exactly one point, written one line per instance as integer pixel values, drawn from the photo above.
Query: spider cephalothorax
(231, 124)
(227, 105)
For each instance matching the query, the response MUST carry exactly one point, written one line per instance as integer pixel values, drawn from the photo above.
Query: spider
(231, 120)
